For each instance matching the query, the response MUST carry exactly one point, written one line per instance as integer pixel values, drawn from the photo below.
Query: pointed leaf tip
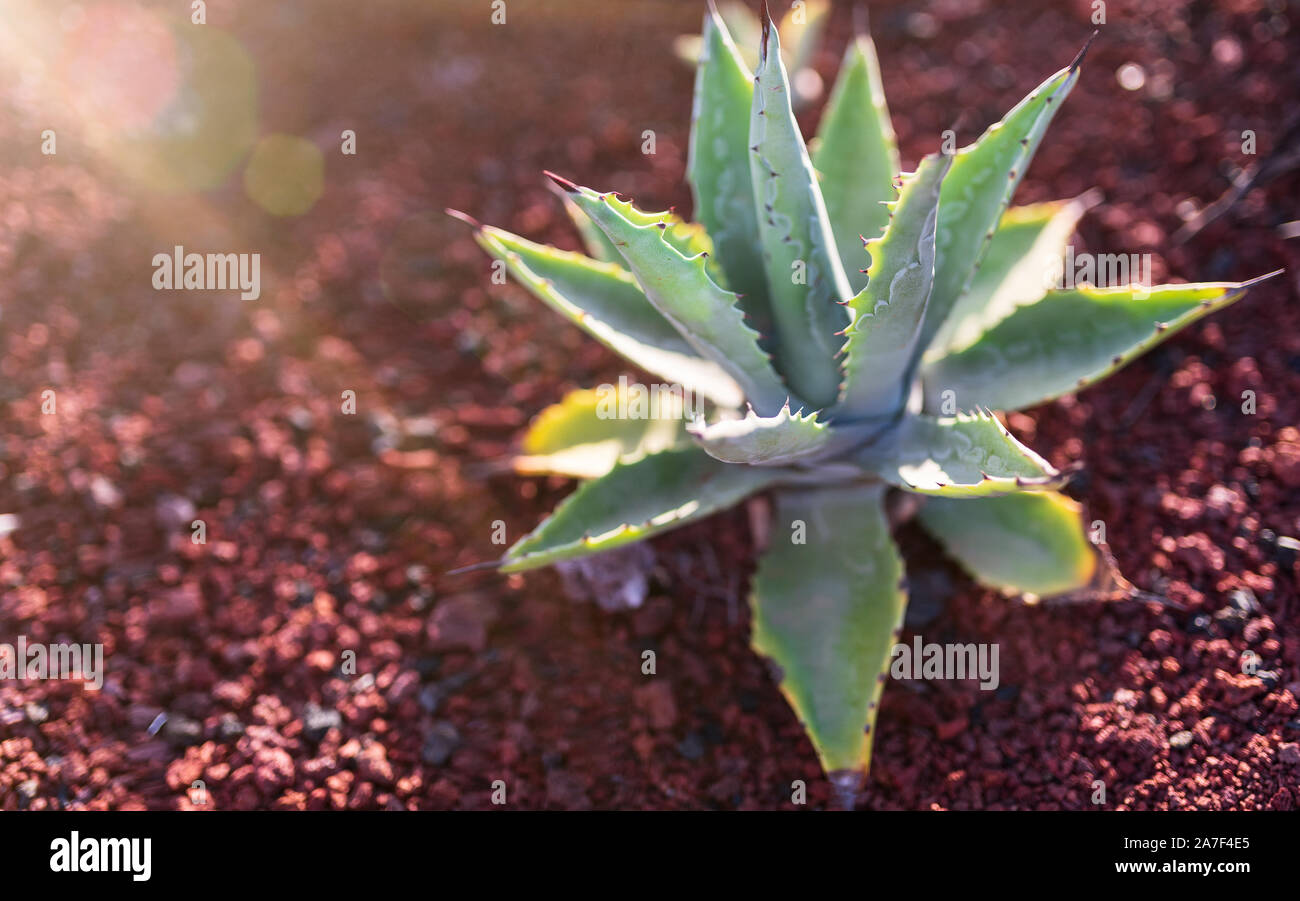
(1250, 283)
(475, 567)
(963, 117)
(466, 218)
(767, 31)
(1078, 60)
(561, 181)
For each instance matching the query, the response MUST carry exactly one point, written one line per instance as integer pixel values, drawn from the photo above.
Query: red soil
(327, 532)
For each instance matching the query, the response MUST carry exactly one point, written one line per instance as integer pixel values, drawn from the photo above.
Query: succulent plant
(839, 372)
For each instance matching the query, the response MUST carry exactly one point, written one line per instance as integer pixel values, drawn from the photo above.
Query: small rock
(301, 419)
(27, 791)
(440, 743)
(1256, 630)
(191, 375)
(373, 765)
(566, 790)
(177, 605)
(317, 721)
(461, 622)
(273, 770)
(182, 732)
(230, 728)
(174, 512)
(155, 751)
(655, 700)
(428, 666)
(615, 580)
(1289, 753)
(430, 697)
(1180, 740)
(653, 618)
(1287, 550)
(1244, 599)
(1230, 619)
(104, 493)
(949, 730)
(691, 747)
(1007, 693)
(36, 713)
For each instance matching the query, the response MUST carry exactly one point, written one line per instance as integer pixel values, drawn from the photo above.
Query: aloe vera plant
(840, 372)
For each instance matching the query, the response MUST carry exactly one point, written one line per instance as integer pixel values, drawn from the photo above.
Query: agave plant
(840, 372)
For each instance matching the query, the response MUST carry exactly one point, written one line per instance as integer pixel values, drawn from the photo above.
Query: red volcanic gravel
(311, 654)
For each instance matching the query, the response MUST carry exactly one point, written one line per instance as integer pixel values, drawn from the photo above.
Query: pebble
(229, 728)
(317, 721)
(1231, 619)
(460, 622)
(691, 747)
(655, 700)
(181, 731)
(440, 742)
(373, 765)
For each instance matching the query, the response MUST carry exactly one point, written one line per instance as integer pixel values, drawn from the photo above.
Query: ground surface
(326, 533)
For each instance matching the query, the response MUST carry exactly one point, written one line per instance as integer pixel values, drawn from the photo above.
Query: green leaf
(718, 167)
(857, 157)
(596, 241)
(687, 238)
(584, 435)
(764, 441)
(690, 239)
(1023, 262)
(682, 291)
(634, 501)
(605, 301)
(968, 455)
(804, 276)
(886, 316)
(978, 189)
(1030, 543)
(1069, 340)
(828, 612)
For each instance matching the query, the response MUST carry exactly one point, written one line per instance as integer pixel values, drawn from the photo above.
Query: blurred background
(310, 654)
